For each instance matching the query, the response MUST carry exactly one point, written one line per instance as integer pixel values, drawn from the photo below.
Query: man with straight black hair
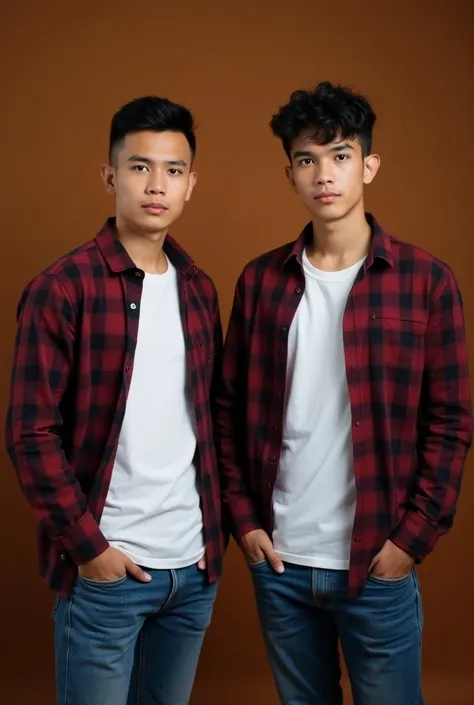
(110, 429)
(344, 420)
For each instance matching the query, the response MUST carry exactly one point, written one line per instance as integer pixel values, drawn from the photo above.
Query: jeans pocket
(101, 583)
(257, 564)
(388, 581)
(55, 605)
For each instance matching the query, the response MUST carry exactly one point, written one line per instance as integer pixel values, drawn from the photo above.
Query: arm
(445, 427)
(230, 424)
(43, 362)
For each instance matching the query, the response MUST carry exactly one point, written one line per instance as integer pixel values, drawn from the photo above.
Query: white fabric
(152, 511)
(314, 497)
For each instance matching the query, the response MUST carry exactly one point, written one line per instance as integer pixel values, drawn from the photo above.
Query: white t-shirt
(152, 511)
(315, 497)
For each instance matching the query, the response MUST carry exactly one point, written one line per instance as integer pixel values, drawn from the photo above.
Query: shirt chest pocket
(397, 342)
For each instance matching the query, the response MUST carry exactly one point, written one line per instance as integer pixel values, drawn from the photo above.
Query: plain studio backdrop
(66, 67)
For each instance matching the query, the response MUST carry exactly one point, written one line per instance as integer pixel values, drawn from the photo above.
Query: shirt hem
(161, 563)
(314, 561)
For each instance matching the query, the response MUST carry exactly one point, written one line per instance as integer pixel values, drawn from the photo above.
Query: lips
(156, 208)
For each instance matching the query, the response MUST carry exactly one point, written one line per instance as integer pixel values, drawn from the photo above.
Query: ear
(289, 176)
(371, 167)
(191, 185)
(108, 174)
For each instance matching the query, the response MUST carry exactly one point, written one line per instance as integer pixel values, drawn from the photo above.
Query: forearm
(54, 493)
(445, 426)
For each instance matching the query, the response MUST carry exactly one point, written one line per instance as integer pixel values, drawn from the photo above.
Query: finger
(273, 558)
(136, 572)
(257, 557)
(202, 565)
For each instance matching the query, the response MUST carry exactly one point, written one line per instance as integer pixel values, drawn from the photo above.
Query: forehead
(306, 143)
(156, 146)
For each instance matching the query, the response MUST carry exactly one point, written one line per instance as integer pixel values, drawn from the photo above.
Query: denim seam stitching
(68, 650)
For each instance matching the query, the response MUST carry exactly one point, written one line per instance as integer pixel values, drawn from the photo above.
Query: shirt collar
(380, 249)
(119, 260)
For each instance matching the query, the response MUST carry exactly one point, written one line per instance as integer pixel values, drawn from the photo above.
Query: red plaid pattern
(407, 372)
(73, 362)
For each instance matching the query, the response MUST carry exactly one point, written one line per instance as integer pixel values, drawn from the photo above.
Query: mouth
(155, 208)
(327, 197)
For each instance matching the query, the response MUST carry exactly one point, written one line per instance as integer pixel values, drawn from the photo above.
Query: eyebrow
(307, 153)
(147, 160)
(341, 147)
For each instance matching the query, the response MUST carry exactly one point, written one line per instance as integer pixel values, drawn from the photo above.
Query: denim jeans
(131, 643)
(306, 612)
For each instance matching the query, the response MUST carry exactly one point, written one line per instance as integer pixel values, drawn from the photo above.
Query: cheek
(304, 186)
(127, 189)
(352, 180)
(177, 192)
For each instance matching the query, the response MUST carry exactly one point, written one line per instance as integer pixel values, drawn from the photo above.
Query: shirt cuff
(84, 540)
(242, 518)
(415, 535)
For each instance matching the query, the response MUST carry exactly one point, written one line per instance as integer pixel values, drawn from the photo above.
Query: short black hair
(328, 112)
(155, 115)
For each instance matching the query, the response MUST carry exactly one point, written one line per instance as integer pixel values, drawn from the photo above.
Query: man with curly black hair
(344, 420)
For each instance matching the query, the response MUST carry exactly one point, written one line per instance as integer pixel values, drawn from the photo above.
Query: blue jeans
(131, 643)
(305, 612)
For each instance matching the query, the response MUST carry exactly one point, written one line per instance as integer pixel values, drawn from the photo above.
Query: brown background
(66, 67)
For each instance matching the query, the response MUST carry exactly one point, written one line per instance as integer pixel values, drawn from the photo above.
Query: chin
(328, 213)
(331, 212)
(155, 223)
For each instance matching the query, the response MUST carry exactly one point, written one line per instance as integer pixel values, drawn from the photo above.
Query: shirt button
(133, 306)
(298, 291)
(284, 329)
(373, 316)
(358, 539)
(128, 368)
(63, 556)
(273, 458)
(270, 486)
(357, 423)
(138, 274)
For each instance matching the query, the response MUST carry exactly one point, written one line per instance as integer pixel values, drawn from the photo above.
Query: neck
(145, 249)
(340, 244)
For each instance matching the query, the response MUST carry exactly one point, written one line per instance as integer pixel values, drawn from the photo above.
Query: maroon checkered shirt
(73, 362)
(407, 373)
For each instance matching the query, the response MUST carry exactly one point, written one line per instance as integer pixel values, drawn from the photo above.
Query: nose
(156, 183)
(325, 179)
(324, 175)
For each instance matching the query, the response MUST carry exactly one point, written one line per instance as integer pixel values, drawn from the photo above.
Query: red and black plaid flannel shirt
(407, 373)
(73, 363)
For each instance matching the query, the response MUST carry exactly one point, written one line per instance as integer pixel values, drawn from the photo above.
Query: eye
(140, 168)
(174, 171)
(342, 157)
(306, 161)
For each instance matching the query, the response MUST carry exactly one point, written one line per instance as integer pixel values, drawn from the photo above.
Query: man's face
(330, 178)
(151, 179)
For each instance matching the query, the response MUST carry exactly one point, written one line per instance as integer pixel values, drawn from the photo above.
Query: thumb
(272, 557)
(136, 572)
(202, 565)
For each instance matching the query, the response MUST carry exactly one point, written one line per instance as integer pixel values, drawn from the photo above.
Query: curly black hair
(154, 114)
(328, 112)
